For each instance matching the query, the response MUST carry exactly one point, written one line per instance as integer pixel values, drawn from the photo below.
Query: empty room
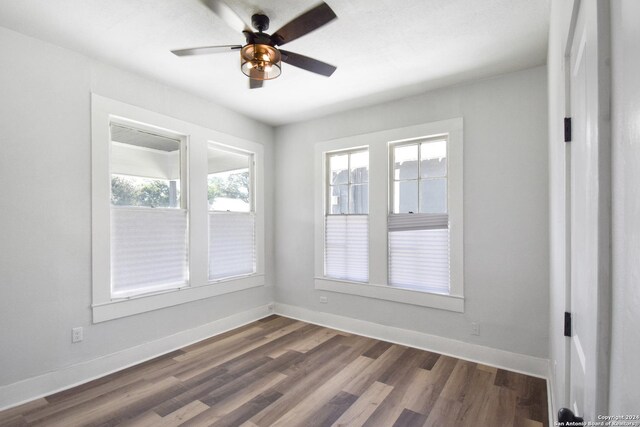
(307, 213)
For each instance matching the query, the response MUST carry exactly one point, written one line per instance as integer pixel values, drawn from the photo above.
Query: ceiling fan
(260, 58)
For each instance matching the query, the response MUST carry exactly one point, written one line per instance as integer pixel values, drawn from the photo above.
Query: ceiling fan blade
(304, 24)
(205, 50)
(307, 63)
(227, 14)
(255, 84)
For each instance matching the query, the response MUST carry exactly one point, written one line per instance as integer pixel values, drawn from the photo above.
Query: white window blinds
(148, 250)
(231, 244)
(419, 252)
(347, 247)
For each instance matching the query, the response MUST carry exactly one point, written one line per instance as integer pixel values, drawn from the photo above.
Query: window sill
(388, 293)
(118, 308)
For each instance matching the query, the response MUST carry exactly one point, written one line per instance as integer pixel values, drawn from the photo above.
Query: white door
(590, 216)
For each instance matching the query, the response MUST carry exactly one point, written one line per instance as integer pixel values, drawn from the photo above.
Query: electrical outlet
(77, 334)
(475, 328)
(324, 300)
(271, 306)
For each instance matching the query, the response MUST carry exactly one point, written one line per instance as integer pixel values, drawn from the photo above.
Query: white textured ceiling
(384, 49)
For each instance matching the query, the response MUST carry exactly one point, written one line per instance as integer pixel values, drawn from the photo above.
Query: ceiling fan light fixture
(260, 61)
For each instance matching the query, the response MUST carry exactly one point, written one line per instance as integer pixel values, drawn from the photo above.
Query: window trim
(252, 207)
(325, 184)
(379, 203)
(417, 142)
(103, 112)
(184, 196)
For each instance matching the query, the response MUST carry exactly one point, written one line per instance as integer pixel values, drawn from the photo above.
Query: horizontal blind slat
(347, 247)
(148, 250)
(231, 245)
(419, 259)
(418, 221)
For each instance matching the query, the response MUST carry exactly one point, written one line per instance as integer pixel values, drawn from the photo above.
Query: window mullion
(348, 183)
(419, 176)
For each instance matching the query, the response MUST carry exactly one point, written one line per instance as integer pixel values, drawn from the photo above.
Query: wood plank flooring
(283, 372)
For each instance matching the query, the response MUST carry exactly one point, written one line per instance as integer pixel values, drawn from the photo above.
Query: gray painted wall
(45, 210)
(505, 207)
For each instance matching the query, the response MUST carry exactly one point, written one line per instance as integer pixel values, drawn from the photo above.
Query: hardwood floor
(283, 372)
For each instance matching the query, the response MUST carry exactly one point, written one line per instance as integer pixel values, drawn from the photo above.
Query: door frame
(597, 16)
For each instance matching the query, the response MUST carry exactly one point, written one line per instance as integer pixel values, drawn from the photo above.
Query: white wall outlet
(475, 328)
(271, 306)
(324, 300)
(77, 334)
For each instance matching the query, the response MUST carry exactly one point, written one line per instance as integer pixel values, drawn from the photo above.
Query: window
(177, 211)
(418, 221)
(401, 239)
(148, 215)
(231, 214)
(346, 221)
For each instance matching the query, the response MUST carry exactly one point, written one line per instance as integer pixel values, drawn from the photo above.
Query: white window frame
(105, 111)
(379, 202)
(252, 202)
(392, 180)
(327, 203)
(433, 218)
(184, 199)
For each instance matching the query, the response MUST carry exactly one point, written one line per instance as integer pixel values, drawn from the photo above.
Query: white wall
(624, 395)
(505, 208)
(45, 210)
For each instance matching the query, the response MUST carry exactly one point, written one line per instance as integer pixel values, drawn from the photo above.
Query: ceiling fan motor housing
(260, 22)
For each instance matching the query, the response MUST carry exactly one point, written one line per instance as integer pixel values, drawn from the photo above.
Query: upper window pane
(405, 162)
(145, 168)
(229, 181)
(347, 188)
(433, 159)
(359, 199)
(359, 166)
(339, 169)
(420, 177)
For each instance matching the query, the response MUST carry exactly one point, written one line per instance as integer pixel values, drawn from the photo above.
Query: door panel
(581, 260)
(588, 220)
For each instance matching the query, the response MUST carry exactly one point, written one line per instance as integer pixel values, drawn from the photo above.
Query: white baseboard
(71, 376)
(516, 362)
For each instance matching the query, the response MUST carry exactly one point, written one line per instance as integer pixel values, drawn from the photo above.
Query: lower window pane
(231, 245)
(433, 195)
(347, 247)
(148, 250)
(229, 191)
(419, 259)
(145, 192)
